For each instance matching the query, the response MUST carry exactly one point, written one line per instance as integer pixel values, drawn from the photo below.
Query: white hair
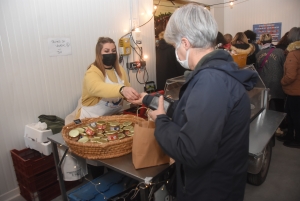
(193, 22)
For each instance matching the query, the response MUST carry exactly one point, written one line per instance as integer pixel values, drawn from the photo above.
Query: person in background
(166, 63)
(220, 41)
(270, 62)
(240, 45)
(252, 39)
(208, 138)
(283, 42)
(228, 38)
(105, 85)
(291, 86)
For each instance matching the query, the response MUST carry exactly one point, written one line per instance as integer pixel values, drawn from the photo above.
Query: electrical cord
(136, 75)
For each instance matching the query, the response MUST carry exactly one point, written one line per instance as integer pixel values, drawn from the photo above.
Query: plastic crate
(48, 193)
(31, 162)
(111, 184)
(38, 181)
(27, 195)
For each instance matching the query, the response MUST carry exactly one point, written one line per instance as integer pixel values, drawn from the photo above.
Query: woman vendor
(105, 83)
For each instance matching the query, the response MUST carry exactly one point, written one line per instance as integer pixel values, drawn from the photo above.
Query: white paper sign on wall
(59, 46)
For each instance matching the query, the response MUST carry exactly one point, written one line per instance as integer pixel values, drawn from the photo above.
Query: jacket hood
(239, 49)
(294, 46)
(222, 60)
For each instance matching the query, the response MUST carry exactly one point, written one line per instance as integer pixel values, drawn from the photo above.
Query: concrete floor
(283, 180)
(282, 183)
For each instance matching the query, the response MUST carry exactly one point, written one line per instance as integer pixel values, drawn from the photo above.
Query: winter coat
(272, 71)
(208, 135)
(166, 64)
(291, 78)
(248, 49)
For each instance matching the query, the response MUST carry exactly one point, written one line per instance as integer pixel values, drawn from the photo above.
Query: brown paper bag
(145, 150)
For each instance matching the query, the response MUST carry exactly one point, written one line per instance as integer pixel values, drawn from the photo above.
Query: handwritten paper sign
(272, 28)
(59, 46)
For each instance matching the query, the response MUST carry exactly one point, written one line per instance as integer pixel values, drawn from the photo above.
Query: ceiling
(182, 2)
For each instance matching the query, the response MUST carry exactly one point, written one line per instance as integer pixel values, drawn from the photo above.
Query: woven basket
(91, 150)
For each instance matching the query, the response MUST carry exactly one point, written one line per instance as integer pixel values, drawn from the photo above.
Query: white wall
(32, 83)
(245, 13)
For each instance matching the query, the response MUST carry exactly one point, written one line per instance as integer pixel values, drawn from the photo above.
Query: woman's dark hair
(250, 35)
(284, 40)
(220, 39)
(294, 34)
(239, 38)
(98, 61)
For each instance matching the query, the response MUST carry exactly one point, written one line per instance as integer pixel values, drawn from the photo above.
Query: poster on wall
(59, 46)
(272, 28)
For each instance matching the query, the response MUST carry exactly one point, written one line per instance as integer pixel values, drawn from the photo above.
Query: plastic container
(111, 184)
(46, 194)
(35, 134)
(30, 162)
(38, 181)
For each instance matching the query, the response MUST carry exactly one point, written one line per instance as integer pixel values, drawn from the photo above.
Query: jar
(93, 125)
(126, 130)
(101, 125)
(112, 135)
(89, 131)
(74, 135)
(127, 123)
(114, 126)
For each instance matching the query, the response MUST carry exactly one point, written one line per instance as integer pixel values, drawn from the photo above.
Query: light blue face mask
(184, 63)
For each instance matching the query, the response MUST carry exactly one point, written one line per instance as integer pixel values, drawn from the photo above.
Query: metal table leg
(58, 170)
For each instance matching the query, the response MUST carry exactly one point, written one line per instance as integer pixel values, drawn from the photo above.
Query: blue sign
(272, 28)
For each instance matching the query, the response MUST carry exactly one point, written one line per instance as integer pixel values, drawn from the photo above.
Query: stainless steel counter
(121, 164)
(262, 128)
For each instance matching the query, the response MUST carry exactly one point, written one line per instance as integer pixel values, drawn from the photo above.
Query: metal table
(262, 129)
(121, 164)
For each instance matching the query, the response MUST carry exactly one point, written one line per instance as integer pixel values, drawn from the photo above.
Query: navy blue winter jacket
(208, 135)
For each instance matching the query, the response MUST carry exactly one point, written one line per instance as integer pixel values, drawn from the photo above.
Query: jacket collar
(214, 55)
(293, 46)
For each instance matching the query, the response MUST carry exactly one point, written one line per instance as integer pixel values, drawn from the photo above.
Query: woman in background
(240, 45)
(221, 42)
(283, 42)
(291, 86)
(270, 62)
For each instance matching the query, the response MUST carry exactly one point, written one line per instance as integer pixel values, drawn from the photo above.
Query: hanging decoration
(160, 22)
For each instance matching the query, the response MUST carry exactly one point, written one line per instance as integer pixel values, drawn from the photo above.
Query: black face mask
(109, 59)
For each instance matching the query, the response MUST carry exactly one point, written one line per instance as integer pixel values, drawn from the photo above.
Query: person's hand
(160, 109)
(138, 101)
(130, 93)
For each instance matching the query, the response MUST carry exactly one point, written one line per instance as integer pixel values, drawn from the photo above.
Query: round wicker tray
(94, 151)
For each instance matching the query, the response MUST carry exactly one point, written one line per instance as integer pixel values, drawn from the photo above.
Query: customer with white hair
(208, 132)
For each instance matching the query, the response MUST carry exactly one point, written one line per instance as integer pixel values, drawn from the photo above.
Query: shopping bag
(146, 152)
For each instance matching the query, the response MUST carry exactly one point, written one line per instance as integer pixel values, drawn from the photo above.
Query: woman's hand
(160, 109)
(138, 101)
(130, 93)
